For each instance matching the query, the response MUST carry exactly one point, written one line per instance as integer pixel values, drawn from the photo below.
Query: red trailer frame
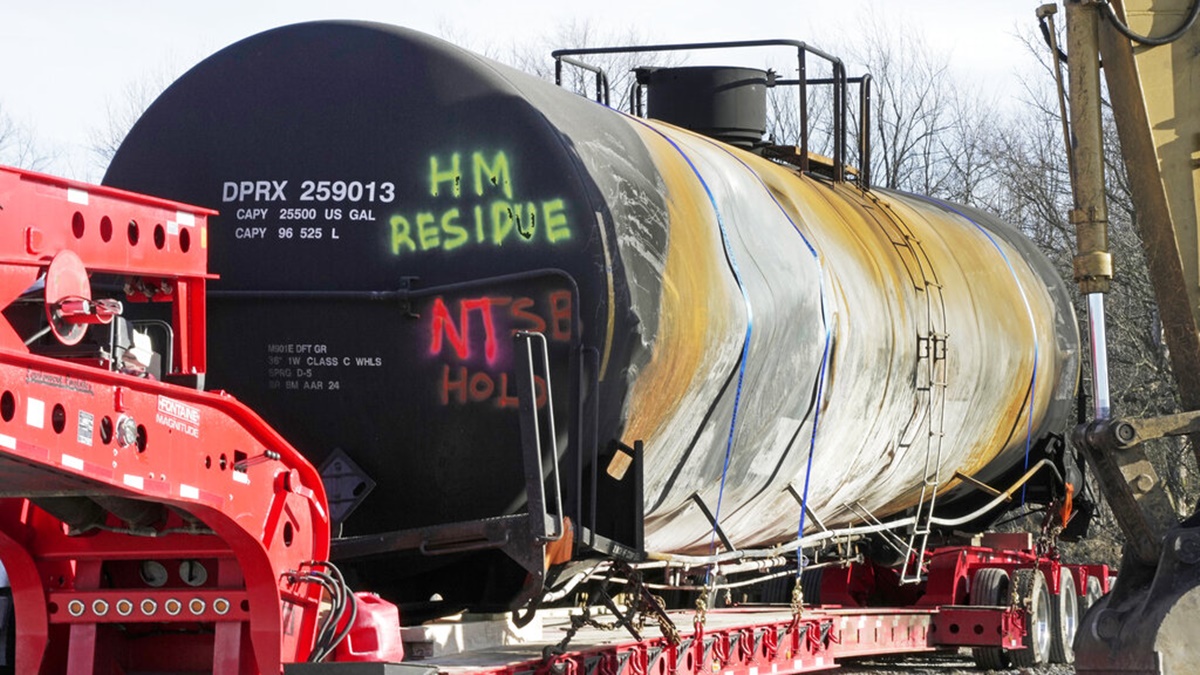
(239, 499)
(186, 481)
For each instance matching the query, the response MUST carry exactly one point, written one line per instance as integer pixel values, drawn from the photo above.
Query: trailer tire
(1094, 592)
(8, 631)
(1064, 618)
(1034, 595)
(990, 588)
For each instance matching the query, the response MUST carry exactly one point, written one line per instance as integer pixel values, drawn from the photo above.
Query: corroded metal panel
(917, 296)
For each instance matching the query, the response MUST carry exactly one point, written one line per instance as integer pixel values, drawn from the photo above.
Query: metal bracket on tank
(545, 526)
(712, 520)
(522, 536)
(790, 488)
(406, 286)
(616, 492)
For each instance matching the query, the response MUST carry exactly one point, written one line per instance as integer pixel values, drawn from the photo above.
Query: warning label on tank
(346, 484)
(179, 416)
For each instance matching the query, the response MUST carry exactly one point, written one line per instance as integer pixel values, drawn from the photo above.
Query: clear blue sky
(65, 62)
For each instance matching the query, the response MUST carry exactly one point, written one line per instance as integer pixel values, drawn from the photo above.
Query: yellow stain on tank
(915, 248)
(692, 288)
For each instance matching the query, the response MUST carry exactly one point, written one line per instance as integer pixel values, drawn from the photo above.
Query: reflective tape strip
(35, 413)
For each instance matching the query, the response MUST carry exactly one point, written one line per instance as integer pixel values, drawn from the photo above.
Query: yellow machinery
(1148, 49)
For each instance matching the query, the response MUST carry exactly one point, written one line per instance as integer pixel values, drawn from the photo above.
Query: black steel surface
(728, 104)
(393, 208)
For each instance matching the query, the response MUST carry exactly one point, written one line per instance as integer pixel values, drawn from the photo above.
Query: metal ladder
(929, 413)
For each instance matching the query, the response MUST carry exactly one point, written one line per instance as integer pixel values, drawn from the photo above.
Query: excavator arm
(1150, 53)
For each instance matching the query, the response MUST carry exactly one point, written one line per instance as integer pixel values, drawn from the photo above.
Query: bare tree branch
(533, 56)
(122, 112)
(19, 146)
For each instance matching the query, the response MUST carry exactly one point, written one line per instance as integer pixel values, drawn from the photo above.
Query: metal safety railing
(839, 81)
(546, 525)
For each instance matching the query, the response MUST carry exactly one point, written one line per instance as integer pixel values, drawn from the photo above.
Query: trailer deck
(742, 641)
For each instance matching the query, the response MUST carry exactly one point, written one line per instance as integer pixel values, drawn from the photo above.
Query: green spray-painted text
(486, 213)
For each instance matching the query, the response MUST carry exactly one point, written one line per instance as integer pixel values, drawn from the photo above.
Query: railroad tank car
(394, 208)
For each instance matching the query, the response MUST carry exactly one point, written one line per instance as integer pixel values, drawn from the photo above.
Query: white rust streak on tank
(879, 303)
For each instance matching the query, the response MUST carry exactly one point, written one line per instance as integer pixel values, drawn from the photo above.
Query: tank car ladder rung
(903, 241)
(930, 373)
(932, 381)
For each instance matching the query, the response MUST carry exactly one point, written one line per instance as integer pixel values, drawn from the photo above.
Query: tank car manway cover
(346, 484)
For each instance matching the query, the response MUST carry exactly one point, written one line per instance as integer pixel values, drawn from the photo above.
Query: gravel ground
(937, 664)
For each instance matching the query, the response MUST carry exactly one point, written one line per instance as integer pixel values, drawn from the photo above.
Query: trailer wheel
(990, 588)
(1064, 618)
(1094, 592)
(8, 631)
(1034, 596)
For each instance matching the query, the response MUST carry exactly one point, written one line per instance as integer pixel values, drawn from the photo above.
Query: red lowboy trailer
(149, 526)
(144, 522)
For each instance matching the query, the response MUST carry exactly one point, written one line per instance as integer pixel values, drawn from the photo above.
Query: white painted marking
(8, 442)
(820, 661)
(753, 670)
(240, 477)
(136, 482)
(796, 664)
(188, 492)
(84, 428)
(77, 196)
(35, 413)
(172, 228)
(185, 218)
(72, 462)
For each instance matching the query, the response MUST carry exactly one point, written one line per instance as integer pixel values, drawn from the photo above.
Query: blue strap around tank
(1028, 311)
(737, 276)
(812, 440)
(825, 352)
